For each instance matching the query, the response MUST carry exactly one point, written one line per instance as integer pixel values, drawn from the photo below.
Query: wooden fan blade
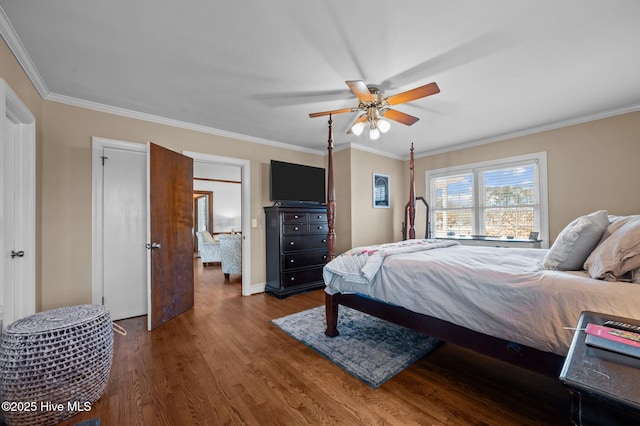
(335, 111)
(360, 119)
(417, 93)
(360, 90)
(400, 117)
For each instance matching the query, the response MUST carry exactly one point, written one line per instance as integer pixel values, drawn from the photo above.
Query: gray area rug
(371, 349)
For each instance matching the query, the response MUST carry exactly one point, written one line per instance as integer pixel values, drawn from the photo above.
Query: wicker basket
(54, 364)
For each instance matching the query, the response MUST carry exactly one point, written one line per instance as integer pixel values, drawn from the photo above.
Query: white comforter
(497, 291)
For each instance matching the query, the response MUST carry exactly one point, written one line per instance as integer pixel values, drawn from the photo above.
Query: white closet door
(124, 232)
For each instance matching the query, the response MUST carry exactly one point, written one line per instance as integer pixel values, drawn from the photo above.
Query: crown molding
(17, 48)
(351, 145)
(81, 103)
(532, 130)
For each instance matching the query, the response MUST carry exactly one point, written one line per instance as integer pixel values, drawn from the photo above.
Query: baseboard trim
(258, 288)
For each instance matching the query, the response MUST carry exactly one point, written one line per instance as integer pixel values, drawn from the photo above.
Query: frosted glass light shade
(358, 128)
(374, 133)
(384, 126)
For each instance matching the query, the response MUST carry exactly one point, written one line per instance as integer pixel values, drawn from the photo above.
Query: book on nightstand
(613, 339)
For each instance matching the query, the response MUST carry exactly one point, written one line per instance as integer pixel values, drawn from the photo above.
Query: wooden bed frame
(533, 359)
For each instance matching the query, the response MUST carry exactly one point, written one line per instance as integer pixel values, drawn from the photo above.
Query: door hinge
(102, 300)
(104, 158)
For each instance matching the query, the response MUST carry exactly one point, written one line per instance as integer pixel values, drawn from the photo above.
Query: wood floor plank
(223, 362)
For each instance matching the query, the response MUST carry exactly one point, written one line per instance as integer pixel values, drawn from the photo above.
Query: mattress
(502, 292)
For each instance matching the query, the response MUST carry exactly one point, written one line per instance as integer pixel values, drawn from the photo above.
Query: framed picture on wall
(380, 191)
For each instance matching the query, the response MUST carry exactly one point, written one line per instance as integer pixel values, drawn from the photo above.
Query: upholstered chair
(230, 254)
(208, 248)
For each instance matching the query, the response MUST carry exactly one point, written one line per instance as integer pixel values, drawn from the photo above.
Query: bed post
(331, 313)
(331, 306)
(412, 196)
(331, 199)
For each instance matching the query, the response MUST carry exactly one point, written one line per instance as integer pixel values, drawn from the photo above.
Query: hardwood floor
(223, 362)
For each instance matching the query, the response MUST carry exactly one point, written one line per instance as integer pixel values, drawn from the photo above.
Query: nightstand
(604, 386)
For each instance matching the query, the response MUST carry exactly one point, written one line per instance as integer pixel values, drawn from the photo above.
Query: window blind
(497, 200)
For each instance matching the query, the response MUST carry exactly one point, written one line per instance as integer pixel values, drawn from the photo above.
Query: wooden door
(170, 232)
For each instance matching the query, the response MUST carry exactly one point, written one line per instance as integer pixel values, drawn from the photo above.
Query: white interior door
(119, 265)
(7, 217)
(17, 207)
(124, 232)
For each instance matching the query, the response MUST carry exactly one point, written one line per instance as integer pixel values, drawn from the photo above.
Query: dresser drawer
(308, 242)
(318, 228)
(305, 258)
(294, 217)
(295, 229)
(317, 217)
(303, 276)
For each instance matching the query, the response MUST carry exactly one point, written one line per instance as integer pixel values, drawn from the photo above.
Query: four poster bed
(499, 302)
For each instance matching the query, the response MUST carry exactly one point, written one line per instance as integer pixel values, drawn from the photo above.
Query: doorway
(201, 159)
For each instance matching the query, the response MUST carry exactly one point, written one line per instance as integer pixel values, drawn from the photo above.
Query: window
(502, 198)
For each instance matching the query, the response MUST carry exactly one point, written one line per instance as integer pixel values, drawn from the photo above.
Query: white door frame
(97, 251)
(245, 167)
(19, 297)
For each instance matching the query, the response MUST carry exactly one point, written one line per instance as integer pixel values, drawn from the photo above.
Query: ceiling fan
(373, 107)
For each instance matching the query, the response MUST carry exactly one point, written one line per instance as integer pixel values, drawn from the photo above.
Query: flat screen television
(295, 183)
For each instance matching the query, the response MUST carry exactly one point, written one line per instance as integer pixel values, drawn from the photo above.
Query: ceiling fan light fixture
(383, 125)
(358, 128)
(374, 133)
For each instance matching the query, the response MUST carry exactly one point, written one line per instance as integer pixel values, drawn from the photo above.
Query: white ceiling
(256, 69)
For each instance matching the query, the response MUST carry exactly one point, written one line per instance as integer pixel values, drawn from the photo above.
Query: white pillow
(576, 241)
(619, 251)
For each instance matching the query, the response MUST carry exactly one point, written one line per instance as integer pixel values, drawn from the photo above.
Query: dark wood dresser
(296, 248)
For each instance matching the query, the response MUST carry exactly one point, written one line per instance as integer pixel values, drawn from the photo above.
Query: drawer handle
(319, 227)
(324, 257)
(291, 243)
(319, 216)
(296, 228)
(324, 241)
(292, 261)
(296, 216)
(292, 279)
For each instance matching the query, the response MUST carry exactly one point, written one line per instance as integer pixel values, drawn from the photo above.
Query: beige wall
(358, 223)
(591, 166)
(371, 225)
(342, 179)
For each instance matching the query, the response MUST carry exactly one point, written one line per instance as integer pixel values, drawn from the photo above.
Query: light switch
(254, 223)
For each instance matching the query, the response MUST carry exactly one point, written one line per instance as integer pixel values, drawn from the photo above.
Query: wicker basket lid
(56, 319)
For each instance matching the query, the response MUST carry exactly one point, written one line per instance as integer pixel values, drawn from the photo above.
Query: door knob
(153, 246)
